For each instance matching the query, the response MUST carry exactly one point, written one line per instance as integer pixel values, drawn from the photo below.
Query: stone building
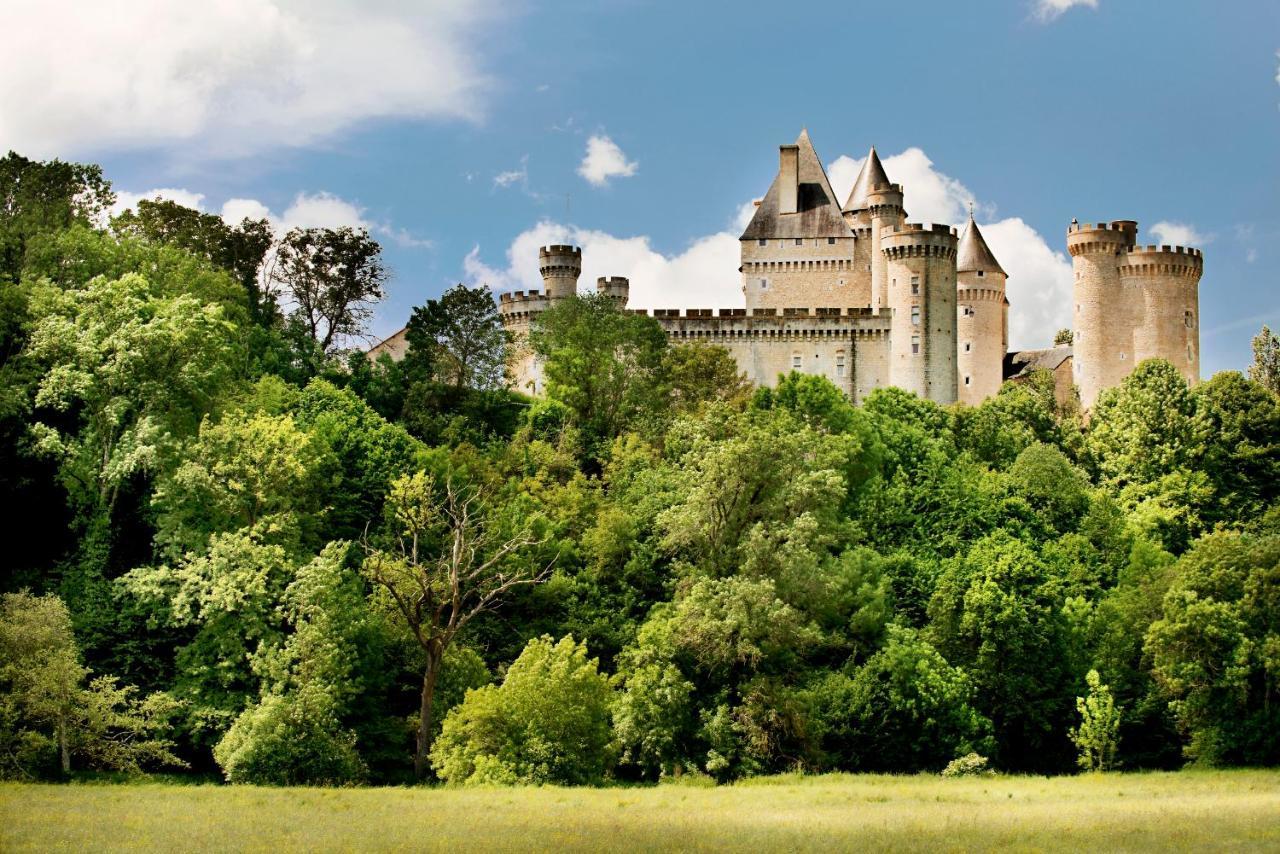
(858, 294)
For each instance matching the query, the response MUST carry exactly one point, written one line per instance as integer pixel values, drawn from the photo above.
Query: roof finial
(971, 209)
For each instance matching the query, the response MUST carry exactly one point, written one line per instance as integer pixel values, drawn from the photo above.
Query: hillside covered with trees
(236, 548)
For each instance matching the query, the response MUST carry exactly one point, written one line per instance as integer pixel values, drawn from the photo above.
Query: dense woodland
(235, 548)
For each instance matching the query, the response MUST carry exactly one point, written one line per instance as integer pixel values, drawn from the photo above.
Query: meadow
(1222, 810)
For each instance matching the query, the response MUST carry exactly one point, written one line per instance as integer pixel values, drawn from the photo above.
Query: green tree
(1056, 490)
(238, 249)
(329, 278)
(1238, 446)
(606, 365)
(1098, 735)
(1143, 429)
(548, 722)
(700, 373)
(458, 340)
(46, 710)
(904, 710)
(446, 564)
(1265, 369)
(1215, 651)
(1063, 336)
(42, 198)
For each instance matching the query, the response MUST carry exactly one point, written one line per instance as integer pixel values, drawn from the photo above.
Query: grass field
(1229, 810)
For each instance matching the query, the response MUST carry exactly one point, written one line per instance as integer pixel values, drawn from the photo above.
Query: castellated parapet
(560, 267)
(921, 267)
(616, 288)
(1131, 303)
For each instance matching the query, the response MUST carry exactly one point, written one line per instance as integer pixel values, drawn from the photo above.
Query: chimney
(788, 179)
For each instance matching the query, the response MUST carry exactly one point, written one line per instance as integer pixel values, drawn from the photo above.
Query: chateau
(858, 294)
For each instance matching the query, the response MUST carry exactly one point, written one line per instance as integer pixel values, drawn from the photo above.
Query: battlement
(518, 306)
(1125, 226)
(559, 249)
(825, 312)
(1166, 249)
(916, 239)
(617, 288)
(1162, 261)
(885, 196)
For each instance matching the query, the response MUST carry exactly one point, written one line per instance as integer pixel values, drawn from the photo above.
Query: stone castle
(860, 295)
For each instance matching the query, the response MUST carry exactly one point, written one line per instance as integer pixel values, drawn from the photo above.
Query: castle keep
(858, 294)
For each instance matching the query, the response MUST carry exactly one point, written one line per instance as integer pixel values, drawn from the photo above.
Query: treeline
(236, 547)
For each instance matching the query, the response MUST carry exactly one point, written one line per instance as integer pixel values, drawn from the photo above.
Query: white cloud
(1040, 282)
(1051, 10)
(605, 160)
(928, 195)
(235, 211)
(1178, 234)
(233, 77)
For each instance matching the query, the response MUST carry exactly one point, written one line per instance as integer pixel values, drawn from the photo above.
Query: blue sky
(459, 132)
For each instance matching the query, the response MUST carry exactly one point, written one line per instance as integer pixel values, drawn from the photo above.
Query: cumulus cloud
(928, 195)
(1178, 234)
(1051, 10)
(233, 77)
(605, 160)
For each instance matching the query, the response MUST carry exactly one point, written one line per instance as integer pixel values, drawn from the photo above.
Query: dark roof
(872, 174)
(1023, 362)
(972, 253)
(817, 213)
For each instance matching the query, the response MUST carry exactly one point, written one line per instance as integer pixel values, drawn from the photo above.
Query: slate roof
(1023, 362)
(871, 174)
(817, 213)
(973, 254)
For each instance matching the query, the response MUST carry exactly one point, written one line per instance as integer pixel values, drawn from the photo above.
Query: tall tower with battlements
(1130, 303)
(981, 336)
(920, 264)
(560, 267)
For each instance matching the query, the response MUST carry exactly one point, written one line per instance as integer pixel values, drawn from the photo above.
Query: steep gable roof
(817, 214)
(870, 175)
(972, 252)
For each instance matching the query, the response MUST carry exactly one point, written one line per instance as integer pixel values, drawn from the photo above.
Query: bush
(969, 765)
(547, 723)
(289, 741)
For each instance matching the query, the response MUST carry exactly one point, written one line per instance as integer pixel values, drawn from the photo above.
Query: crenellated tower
(1131, 303)
(560, 267)
(920, 264)
(981, 315)
(616, 288)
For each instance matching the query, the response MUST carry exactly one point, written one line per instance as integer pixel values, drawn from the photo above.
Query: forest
(236, 549)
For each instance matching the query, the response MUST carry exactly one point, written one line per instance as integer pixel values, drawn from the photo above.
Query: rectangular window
(762, 242)
(799, 241)
(1188, 319)
(796, 362)
(967, 346)
(839, 364)
(831, 241)
(980, 275)
(764, 283)
(966, 380)
(915, 315)
(915, 344)
(915, 284)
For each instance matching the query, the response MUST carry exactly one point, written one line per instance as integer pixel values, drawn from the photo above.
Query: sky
(463, 135)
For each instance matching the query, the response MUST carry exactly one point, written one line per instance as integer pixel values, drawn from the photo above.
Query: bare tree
(446, 565)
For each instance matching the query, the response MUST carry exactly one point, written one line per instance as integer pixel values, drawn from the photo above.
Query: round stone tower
(981, 309)
(920, 263)
(560, 267)
(884, 204)
(1102, 317)
(616, 288)
(1166, 280)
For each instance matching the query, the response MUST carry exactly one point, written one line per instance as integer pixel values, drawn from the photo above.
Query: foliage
(548, 722)
(1097, 737)
(458, 340)
(969, 765)
(1265, 370)
(40, 198)
(329, 276)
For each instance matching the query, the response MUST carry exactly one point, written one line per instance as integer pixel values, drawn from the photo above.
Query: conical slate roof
(973, 254)
(871, 175)
(817, 213)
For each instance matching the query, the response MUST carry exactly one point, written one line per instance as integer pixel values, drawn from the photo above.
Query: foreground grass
(1228, 810)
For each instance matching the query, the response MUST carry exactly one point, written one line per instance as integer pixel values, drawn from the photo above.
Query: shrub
(969, 765)
(547, 723)
(289, 741)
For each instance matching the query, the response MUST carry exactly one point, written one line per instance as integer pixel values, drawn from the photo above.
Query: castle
(860, 295)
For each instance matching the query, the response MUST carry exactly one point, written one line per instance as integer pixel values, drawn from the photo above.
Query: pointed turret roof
(871, 175)
(973, 254)
(817, 212)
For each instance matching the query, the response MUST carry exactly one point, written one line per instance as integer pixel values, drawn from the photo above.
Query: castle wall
(817, 272)
(1102, 345)
(1165, 309)
(980, 349)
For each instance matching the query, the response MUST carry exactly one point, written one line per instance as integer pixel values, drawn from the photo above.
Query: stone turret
(921, 269)
(884, 206)
(560, 267)
(617, 288)
(981, 313)
(1163, 283)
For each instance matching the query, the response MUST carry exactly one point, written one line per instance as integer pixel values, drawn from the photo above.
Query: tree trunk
(64, 747)
(421, 758)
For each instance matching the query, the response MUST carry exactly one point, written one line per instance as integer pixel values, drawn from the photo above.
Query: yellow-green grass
(1227, 810)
